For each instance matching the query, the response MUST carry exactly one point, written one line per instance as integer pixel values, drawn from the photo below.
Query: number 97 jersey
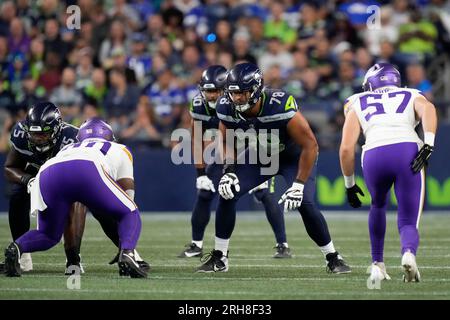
(386, 117)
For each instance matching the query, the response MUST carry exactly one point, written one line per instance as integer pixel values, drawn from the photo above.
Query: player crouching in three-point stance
(392, 154)
(84, 172)
(247, 106)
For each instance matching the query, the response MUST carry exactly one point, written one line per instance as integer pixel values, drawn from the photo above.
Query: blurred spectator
(141, 131)
(7, 14)
(115, 42)
(191, 66)
(400, 13)
(167, 102)
(364, 61)
(51, 74)
(276, 54)
(225, 58)
(417, 38)
(37, 50)
(154, 32)
(18, 40)
(101, 24)
(320, 59)
(84, 68)
(223, 32)
(31, 94)
(273, 78)
(3, 55)
(415, 77)
(241, 47)
(126, 13)
(276, 26)
(341, 31)
(95, 92)
(347, 83)
(17, 70)
(121, 99)
(53, 41)
(310, 24)
(387, 31)
(256, 30)
(68, 98)
(138, 60)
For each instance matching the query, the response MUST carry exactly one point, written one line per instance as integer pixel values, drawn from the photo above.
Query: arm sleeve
(125, 169)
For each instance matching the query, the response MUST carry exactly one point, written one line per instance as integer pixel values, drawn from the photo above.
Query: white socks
(329, 248)
(222, 245)
(198, 243)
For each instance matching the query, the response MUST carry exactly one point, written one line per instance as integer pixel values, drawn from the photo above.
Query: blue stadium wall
(163, 186)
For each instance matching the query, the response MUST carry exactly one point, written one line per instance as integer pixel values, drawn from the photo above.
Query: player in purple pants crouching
(84, 172)
(393, 154)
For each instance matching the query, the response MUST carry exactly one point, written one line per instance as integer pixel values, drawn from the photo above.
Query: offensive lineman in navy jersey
(247, 106)
(203, 111)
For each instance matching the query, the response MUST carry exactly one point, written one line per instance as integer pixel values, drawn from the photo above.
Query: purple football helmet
(95, 128)
(381, 75)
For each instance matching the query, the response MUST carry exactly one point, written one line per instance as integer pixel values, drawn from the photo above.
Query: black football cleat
(215, 261)
(192, 250)
(335, 264)
(12, 257)
(128, 266)
(143, 264)
(282, 252)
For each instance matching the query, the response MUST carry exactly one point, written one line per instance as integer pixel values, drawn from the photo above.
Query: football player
(393, 154)
(203, 112)
(247, 105)
(33, 141)
(96, 172)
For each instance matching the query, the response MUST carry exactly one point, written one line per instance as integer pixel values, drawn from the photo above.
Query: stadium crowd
(137, 62)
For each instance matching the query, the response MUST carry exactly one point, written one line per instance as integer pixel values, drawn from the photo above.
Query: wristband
(349, 181)
(429, 138)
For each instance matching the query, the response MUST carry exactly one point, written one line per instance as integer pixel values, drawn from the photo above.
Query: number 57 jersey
(386, 117)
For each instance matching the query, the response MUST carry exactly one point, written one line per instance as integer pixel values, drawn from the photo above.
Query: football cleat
(26, 264)
(192, 250)
(12, 264)
(143, 264)
(335, 264)
(282, 252)
(215, 261)
(378, 272)
(128, 266)
(72, 266)
(410, 270)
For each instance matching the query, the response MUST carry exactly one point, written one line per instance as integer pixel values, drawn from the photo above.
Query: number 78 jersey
(386, 117)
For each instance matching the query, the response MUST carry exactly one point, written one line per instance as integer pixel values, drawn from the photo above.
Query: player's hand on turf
(30, 184)
(226, 183)
(205, 183)
(293, 197)
(262, 186)
(352, 196)
(422, 158)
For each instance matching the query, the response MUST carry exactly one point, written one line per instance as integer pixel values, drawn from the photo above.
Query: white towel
(37, 201)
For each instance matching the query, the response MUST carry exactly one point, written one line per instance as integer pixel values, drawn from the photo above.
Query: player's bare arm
(299, 130)
(14, 165)
(350, 135)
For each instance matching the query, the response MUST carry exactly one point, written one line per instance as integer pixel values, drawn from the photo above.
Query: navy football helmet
(213, 79)
(245, 77)
(43, 126)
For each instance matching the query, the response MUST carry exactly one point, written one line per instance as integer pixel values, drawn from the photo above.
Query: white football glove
(226, 182)
(205, 183)
(30, 184)
(293, 197)
(262, 186)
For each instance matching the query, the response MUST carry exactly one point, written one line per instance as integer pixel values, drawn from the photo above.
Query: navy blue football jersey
(278, 107)
(19, 141)
(200, 111)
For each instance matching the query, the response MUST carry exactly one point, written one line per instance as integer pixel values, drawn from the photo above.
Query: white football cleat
(410, 270)
(26, 264)
(378, 272)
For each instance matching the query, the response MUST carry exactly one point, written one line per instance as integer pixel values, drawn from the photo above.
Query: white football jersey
(113, 157)
(386, 117)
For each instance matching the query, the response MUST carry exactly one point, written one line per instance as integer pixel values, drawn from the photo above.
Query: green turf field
(253, 273)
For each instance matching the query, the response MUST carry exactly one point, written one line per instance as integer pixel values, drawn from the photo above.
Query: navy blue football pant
(202, 209)
(250, 176)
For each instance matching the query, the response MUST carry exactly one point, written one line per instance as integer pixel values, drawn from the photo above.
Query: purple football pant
(64, 183)
(382, 167)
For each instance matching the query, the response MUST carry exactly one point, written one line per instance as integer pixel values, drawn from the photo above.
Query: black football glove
(422, 158)
(352, 196)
